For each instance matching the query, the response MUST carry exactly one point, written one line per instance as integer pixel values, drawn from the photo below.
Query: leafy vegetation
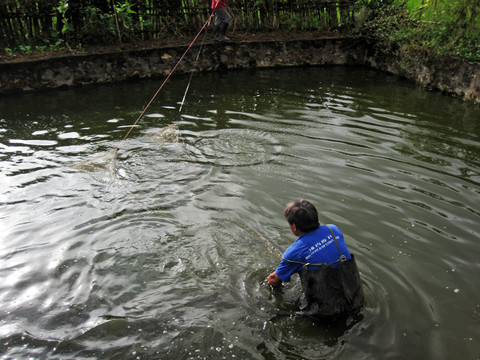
(441, 26)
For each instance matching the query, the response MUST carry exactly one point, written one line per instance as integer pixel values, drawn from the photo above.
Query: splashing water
(101, 167)
(166, 134)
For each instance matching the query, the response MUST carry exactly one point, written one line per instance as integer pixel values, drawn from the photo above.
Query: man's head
(302, 214)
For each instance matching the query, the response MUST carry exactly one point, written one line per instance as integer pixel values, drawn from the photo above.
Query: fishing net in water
(101, 167)
(166, 134)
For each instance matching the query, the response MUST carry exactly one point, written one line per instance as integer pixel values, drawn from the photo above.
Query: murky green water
(163, 253)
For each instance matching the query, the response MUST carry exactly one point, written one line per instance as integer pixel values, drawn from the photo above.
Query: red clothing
(219, 4)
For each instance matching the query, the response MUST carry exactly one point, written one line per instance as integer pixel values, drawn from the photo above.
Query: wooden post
(117, 25)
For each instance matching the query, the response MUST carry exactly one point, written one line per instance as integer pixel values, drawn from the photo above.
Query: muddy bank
(451, 76)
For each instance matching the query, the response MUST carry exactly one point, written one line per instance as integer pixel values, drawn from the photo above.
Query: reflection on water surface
(163, 253)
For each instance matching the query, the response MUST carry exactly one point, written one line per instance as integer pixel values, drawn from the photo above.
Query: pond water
(163, 252)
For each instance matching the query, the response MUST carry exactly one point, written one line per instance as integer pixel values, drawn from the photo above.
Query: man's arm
(274, 280)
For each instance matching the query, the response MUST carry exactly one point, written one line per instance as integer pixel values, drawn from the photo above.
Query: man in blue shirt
(328, 271)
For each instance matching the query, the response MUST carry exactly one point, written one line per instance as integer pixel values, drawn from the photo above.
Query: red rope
(171, 72)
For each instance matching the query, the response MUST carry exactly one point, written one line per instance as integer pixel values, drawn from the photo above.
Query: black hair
(303, 214)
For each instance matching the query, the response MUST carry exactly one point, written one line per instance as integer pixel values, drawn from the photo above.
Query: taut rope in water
(168, 77)
(191, 75)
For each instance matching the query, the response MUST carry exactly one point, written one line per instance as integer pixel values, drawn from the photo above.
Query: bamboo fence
(107, 21)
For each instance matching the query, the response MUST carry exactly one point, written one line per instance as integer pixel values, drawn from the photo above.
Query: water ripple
(162, 251)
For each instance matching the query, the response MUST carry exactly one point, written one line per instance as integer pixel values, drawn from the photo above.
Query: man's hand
(274, 280)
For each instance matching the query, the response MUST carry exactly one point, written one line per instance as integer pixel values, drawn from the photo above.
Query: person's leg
(217, 25)
(224, 18)
(216, 32)
(223, 32)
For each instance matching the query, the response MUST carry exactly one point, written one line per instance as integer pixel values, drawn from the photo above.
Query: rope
(191, 74)
(168, 77)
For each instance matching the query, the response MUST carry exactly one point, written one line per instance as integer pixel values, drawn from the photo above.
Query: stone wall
(78, 70)
(451, 76)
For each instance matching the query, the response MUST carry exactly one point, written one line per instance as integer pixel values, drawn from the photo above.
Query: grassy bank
(439, 26)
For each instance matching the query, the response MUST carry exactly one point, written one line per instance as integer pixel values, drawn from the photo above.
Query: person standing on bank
(328, 272)
(222, 19)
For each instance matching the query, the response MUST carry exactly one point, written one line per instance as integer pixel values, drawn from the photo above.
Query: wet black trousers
(331, 292)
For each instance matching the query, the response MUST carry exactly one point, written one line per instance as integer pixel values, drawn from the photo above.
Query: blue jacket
(316, 247)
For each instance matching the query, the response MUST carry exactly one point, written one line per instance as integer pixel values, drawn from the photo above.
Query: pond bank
(449, 75)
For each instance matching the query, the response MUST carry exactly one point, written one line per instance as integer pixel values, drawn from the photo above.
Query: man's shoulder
(295, 251)
(333, 227)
